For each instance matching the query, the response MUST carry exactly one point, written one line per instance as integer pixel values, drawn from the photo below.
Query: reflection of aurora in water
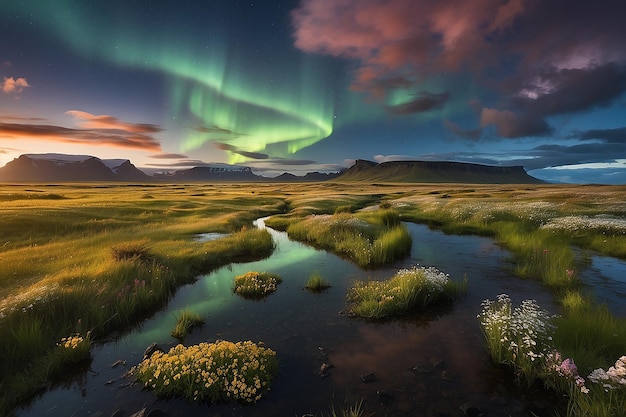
(301, 327)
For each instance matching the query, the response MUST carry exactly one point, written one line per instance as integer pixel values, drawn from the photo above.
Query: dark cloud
(215, 129)
(617, 135)
(184, 163)
(168, 156)
(239, 151)
(423, 102)
(472, 134)
(511, 125)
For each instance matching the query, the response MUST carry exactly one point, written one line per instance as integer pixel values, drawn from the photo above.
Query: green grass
(76, 258)
(185, 321)
(407, 290)
(316, 283)
(92, 262)
(370, 239)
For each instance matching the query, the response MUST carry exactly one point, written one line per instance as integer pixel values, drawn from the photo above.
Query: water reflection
(307, 330)
(606, 279)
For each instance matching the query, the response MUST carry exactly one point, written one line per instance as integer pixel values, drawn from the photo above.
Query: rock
(119, 362)
(436, 362)
(447, 376)
(421, 369)
(151, 350)
(471, 410)
(367, 378)
(326, 367)
(384, 397)
(142, 412)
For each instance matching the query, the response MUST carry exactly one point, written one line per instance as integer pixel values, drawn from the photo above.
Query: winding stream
(307, 329)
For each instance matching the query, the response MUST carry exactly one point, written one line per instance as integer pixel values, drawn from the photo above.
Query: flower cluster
(256, 284)
(614, 378)
(600, 223)
(517, 336)
(71, 342)
(211, 372)
(565, 369)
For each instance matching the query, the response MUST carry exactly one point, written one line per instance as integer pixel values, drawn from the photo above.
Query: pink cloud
(521, 54)
(95, 130)
(12, 85)
(90, 121)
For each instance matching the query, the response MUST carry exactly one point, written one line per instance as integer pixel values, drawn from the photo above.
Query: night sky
(312, 85)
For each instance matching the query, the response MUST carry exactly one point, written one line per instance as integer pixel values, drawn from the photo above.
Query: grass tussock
(254, 285)
(407, 290)
(185, 321)
(316, 283)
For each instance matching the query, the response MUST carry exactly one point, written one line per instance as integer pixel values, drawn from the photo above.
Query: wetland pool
(428, 364)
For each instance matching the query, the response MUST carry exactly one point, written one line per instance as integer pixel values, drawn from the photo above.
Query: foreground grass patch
(211, 372)
(523, 339)
(406, 290)
(256, 284)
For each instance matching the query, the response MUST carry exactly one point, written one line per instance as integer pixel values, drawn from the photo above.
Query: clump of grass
(347, 208)
(71, 350)
(256, 284)
(131, 250)
(406, 290)
(185, 321)
(316, 283)
(353, 411)
(211, 372)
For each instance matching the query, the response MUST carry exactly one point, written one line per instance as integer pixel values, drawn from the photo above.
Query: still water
(429, 364)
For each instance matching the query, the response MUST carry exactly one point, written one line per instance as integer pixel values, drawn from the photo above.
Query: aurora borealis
(312, 85)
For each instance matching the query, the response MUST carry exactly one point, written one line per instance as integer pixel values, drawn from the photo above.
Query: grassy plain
(98, 258)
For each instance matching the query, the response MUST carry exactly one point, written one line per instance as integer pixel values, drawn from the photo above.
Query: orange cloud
(12, 85)
(96, 130)
(90, 121)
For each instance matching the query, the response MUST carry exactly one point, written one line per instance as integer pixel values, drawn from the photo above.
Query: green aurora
(227, 97)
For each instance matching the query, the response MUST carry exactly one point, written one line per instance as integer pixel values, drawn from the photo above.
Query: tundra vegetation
(79, 262)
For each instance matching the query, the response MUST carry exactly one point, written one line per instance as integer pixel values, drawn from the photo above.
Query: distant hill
(52, 167)
(212, 173)
(309, 177)
(435, 172)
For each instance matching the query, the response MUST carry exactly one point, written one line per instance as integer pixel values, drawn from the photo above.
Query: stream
(307, 330)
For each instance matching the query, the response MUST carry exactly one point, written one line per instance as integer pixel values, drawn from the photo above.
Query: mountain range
(53, 168)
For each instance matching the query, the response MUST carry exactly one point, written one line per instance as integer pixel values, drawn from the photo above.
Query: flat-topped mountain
(435, 171)
(52, 167)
